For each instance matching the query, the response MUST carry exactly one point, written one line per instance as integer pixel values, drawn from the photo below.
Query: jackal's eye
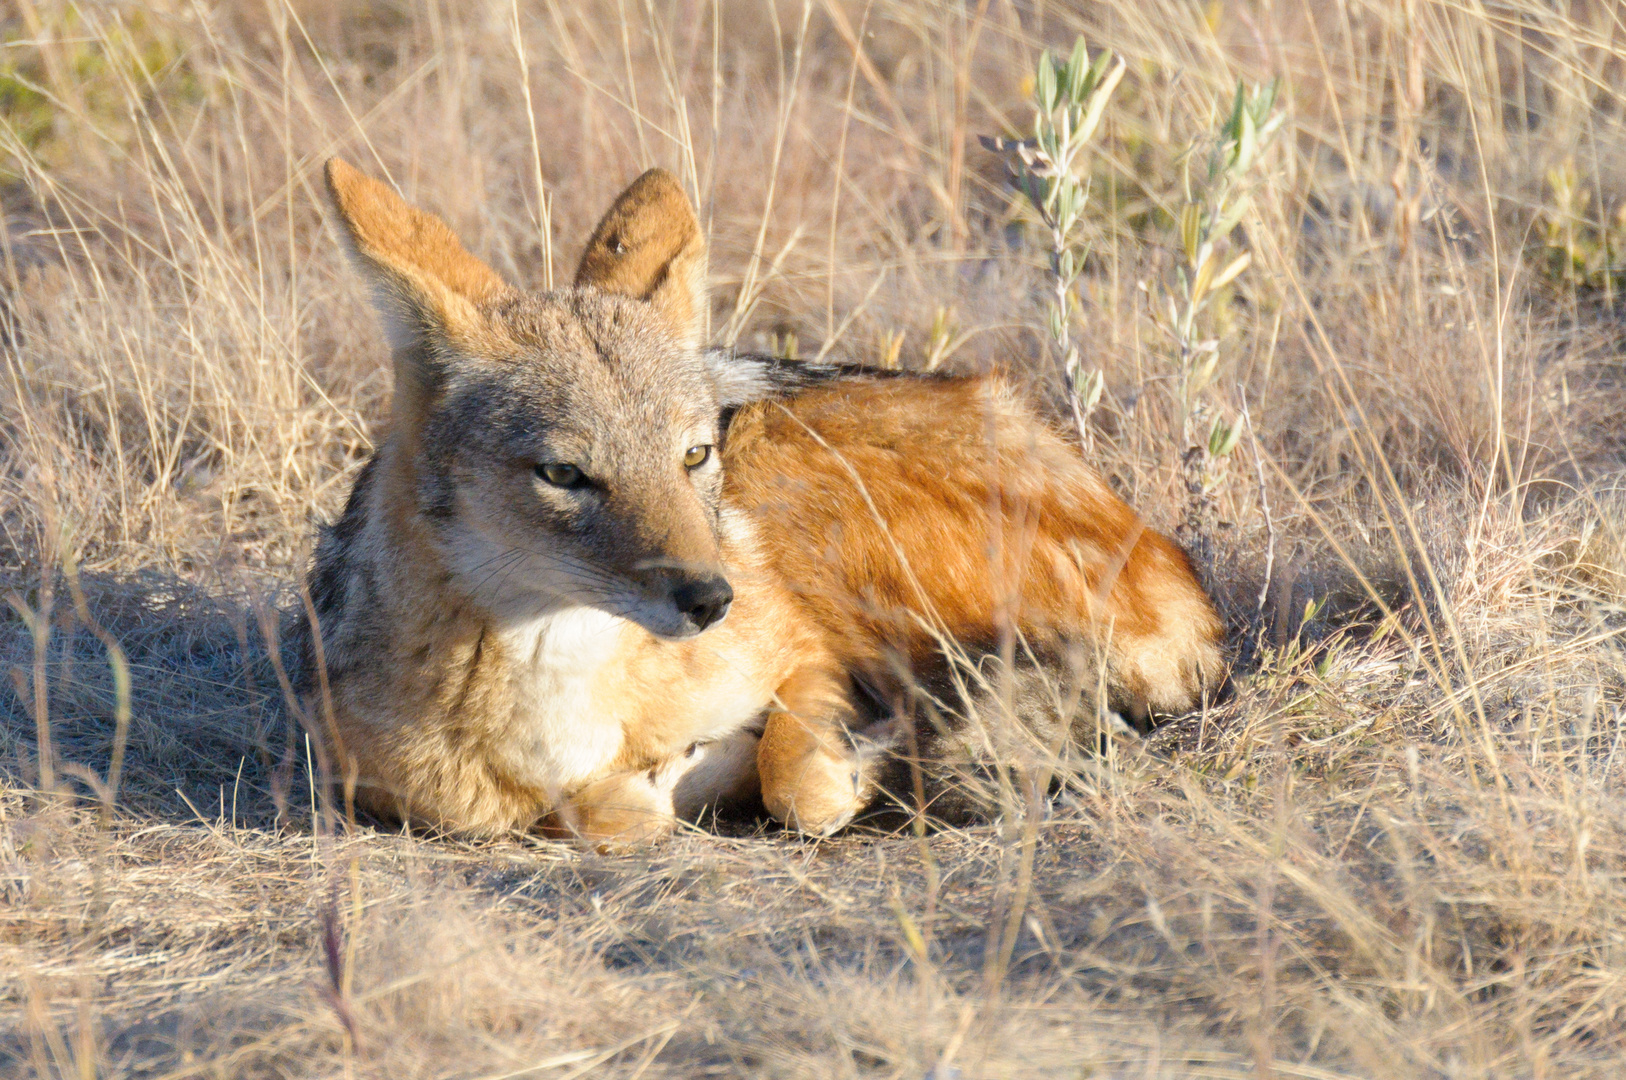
(696, 456)
(561, 474)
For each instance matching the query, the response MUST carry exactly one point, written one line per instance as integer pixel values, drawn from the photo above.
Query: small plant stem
(1064, 349)
(1264, 505)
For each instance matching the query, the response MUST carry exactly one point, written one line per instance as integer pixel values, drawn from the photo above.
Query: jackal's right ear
(425, 282)
(649, 246)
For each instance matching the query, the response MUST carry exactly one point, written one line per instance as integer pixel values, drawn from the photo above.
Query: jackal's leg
(631, 809)
(815, 778)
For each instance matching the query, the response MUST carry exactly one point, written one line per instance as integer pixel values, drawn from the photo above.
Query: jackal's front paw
(816, 779)
(623, 811)
(633, 809)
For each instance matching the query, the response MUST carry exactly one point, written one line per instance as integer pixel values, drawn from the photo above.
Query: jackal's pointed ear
(649, 246)
(425, 281)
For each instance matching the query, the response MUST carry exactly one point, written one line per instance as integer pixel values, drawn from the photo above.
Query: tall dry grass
(1398, 850)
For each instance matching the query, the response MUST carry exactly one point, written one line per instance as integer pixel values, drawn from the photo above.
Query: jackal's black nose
(704, 600)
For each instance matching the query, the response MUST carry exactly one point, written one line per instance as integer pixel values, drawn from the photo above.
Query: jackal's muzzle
(699, 599)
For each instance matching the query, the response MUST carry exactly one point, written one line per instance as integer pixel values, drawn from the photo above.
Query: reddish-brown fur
(884, 500)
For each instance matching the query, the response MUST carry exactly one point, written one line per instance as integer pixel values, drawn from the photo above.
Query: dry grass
(1398, 850)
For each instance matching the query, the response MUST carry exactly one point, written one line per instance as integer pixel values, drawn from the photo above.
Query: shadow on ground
(209, 735)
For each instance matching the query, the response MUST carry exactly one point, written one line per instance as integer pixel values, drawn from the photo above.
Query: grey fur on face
(597, 386)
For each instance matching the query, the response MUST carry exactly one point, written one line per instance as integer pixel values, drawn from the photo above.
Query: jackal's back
(910, 510)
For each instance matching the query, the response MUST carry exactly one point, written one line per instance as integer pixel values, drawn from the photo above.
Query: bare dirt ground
(1397, 850)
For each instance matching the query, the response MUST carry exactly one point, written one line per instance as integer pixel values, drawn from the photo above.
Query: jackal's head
(560, 447)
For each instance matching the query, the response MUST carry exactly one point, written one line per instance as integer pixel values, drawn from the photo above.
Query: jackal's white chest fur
(561, 737)
(571, 718)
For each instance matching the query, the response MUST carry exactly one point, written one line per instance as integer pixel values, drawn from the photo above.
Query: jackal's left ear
(649, 246)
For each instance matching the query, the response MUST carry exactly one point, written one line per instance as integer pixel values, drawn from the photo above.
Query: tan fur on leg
(812, 779)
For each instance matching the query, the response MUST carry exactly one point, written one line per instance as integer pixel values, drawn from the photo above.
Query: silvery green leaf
(1222, 438)
(1247, 143)
(1089, 389)
(1264, 100)
(1078, 69)
(1044, 83)
(1098, 67)
(1233, 125)
(1099, 98)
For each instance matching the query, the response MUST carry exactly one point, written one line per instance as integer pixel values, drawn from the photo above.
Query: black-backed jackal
(598, 576)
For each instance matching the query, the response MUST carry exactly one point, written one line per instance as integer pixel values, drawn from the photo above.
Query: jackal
(599, 576)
